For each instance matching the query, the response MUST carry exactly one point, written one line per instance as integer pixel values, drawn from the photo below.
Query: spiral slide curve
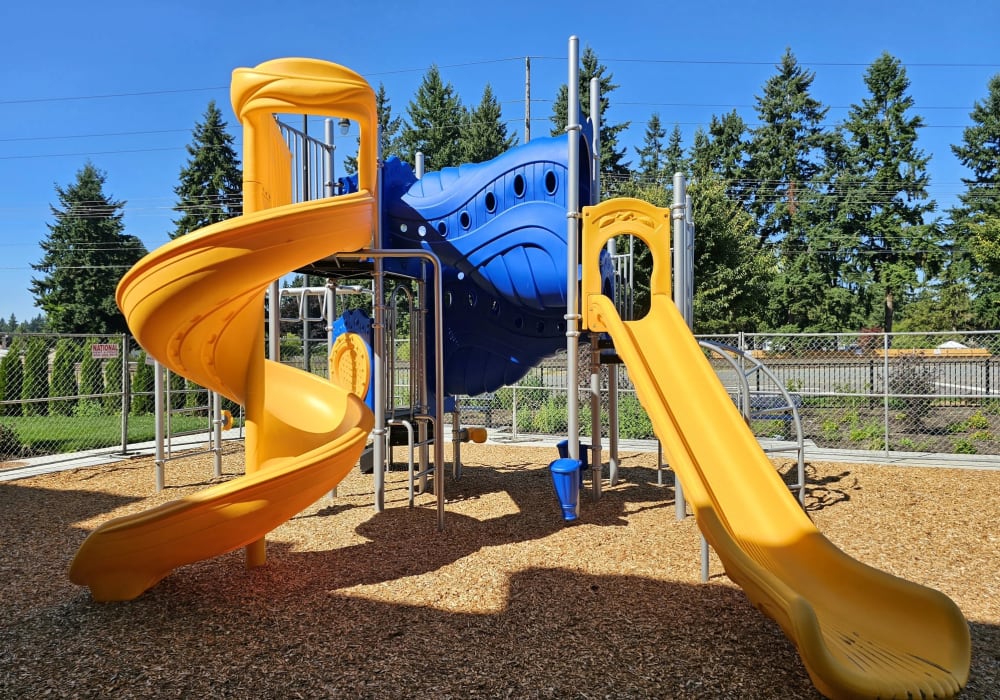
(861, 633)
(196, 305)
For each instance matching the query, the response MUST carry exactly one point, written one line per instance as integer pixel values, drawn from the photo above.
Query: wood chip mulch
(507, 602)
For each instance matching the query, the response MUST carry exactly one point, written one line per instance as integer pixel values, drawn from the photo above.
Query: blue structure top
(499, 229)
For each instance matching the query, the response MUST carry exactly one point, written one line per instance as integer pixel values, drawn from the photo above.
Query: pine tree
(722, 151)
(975, 227)
(85, 254)
(211, 184)
(612, 157)
(435, 126)
(731, 273)
(390, 128)
(485, 134)
(784, 151)
(651, 155)
(882, 212)
(674, 160)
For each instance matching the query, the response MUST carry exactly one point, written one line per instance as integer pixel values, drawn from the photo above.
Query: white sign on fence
(104, 351)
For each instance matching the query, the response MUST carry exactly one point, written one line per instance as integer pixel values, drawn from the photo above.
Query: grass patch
(41, 435)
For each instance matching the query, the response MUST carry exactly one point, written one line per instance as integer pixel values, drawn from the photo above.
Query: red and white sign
(104, 351)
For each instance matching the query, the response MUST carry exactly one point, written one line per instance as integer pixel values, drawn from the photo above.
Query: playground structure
(195, 305)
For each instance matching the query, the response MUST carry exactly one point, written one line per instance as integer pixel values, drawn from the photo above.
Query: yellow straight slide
(861, 633)
(196, 305)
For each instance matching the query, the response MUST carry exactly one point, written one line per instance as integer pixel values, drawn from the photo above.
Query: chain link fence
(65, 394)
(914, 392)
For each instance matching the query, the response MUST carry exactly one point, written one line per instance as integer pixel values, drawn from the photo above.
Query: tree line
(800, 226)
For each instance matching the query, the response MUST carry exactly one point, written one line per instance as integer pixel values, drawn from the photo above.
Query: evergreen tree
(882, 209)
(113, 385)
(12, 378)
(974, 228)
(143, 386)
(651, 155)
(485, 134)
(674, 160)
(722, 151)
(35, 385)
(390, 128)
(63, 384)
(731, 273)
(813, 292)
(612, 157)
(784, 151)
(85, 254)
(211, 184)
(984, 245)
(91, 381)
(435, 126)
(817, 291)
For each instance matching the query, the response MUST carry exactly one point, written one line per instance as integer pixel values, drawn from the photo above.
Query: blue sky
(123, 83)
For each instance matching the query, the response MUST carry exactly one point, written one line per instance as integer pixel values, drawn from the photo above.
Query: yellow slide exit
(196, 305)
(861, 633)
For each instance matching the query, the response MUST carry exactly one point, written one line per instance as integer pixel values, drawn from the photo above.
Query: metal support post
(572, 253)
(680, 287)
(158, 423)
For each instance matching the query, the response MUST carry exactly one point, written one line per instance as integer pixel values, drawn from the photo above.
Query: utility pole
(527, 99)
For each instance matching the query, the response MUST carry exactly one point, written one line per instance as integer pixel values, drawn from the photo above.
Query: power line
(113, 95)
(19, 139)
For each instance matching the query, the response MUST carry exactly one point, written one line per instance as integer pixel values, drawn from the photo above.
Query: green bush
(11, 378)
(177, 386)
(142, 387)
(869, 436)
(10, 443)
(91, 380)
(551, 418)
(113, 385)
(633, 421)
(88, 408)
(195, 396)
(36, 378)
(964, 446)
(64, 377)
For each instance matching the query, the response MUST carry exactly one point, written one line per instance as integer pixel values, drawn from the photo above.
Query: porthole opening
(442, 228)
(464, 220)
(491, 202)
(551, 182)
(519, 185)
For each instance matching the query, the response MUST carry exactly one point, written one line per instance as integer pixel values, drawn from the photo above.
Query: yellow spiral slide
(860, 632)
(196, 305)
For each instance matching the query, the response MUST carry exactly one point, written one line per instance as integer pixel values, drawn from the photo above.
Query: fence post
(126, 392)
(885, 390)
(513, 411)
(158, 423)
